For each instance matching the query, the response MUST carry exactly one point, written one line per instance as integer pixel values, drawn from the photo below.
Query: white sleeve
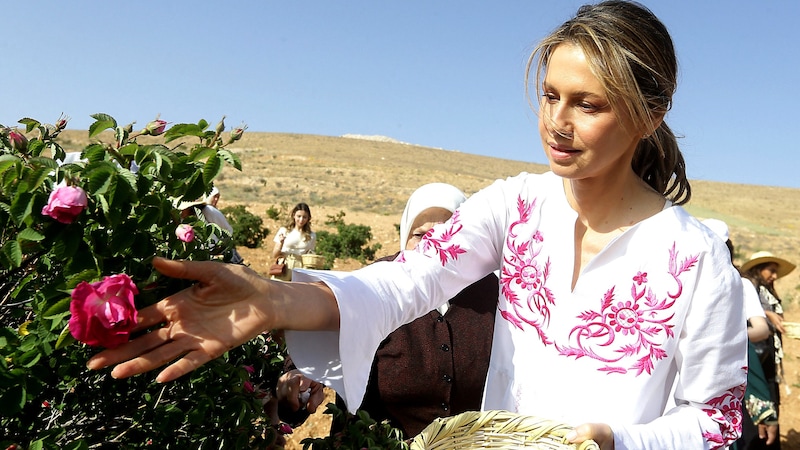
(712, 368)
(280, 235)
(377, 299)
(752, 302)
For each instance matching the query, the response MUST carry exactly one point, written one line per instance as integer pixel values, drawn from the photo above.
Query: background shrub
(350, 241)
(247, 227)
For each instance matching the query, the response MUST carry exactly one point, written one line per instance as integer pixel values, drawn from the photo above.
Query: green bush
(275, 213)
(247, 227)
(350, 241)
(48, 398)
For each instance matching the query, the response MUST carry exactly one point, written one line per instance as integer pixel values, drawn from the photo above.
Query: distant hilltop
(375, 137)
(379, 138)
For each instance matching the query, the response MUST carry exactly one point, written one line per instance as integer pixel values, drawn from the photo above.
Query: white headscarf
(214, 191)
(431, 195)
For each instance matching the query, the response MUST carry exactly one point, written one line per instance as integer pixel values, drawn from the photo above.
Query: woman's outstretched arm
(229, 305)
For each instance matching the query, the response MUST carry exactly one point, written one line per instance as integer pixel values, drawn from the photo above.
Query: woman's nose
(559, 122)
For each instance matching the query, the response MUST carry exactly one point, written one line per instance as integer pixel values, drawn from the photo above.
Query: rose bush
(77, 236)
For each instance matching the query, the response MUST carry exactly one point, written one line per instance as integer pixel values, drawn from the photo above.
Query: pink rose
(66, 203)
(284, 428)
(249, 369)
(103, 313)
(248, 387)
(185, 232)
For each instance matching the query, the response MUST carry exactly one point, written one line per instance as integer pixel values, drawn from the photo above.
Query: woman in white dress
(610, 292)
(293, 241)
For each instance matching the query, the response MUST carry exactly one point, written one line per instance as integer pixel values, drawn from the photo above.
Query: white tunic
(294, 242)
(660, 304)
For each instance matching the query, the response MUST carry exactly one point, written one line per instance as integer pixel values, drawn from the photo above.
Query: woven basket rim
(496, 429)
(792, 329)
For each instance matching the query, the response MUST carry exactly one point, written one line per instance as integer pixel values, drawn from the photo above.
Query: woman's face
(581, 133)
(301, 218)
(424, 222)
(769, 273)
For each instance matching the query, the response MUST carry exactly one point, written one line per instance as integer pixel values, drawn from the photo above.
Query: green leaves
(49, 398)
(102, 122)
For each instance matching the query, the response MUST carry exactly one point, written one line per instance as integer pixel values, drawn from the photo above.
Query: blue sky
(445, 74)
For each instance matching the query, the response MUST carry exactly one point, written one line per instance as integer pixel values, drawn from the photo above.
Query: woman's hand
(225, 309)
(776, 320)
(291, 384)
(598, 432)
(768, 432)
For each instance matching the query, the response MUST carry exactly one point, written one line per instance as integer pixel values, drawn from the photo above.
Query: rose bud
(155, 127)
(237, 133)
(248, 387)
(61, 123)
(66, 203)
(185, 232)
(103, 313)
(285, 428)
(18, 141)
(220, 126)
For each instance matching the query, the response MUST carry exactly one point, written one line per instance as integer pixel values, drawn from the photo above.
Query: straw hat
(784, 266)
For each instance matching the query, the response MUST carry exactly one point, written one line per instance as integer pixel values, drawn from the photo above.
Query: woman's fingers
(598, 432)
(129, 349)
(188, 363)
(316, 398)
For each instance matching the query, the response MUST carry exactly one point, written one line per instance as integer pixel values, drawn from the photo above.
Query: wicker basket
(792, 330)
(311, 261)
(495, 430)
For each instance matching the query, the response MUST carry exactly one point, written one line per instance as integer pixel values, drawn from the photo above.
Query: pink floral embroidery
(435, 241)
(727, 412)
(522, 270)
(632, 328)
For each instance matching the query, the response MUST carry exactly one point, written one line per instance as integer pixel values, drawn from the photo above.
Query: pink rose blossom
(103, 313)
(185, 232)
(249, 369)
(285, 428)
(66, 203)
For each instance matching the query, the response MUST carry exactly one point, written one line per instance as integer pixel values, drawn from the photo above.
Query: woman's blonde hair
(631, 52)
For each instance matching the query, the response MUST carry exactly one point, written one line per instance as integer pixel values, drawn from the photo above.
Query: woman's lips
(561, 152)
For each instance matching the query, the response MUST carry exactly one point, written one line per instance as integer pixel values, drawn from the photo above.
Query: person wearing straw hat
(763, 269)
(434, 366)
(610, 291)
(759, 416)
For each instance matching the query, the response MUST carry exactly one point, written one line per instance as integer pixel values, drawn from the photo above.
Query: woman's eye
(588, 107)
(549, 97)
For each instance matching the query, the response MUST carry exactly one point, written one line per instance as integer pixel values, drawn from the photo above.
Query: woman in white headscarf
(436, 365)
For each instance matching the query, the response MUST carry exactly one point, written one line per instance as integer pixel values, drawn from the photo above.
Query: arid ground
(371, 180)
